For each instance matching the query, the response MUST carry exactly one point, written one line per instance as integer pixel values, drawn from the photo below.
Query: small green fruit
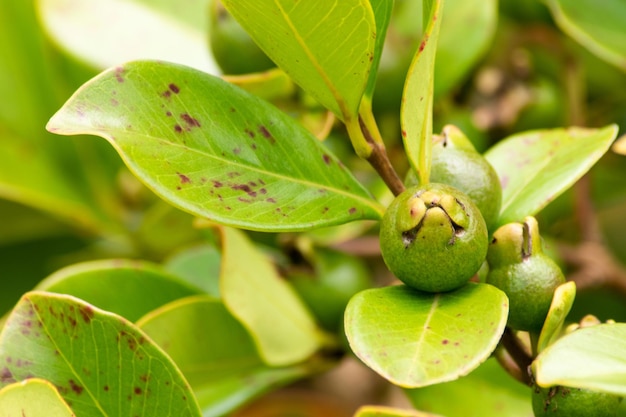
(524, 273)
(456, 162)
(574, 402)
(433, 238)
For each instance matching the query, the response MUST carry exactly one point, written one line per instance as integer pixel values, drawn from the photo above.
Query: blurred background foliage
(502, 67)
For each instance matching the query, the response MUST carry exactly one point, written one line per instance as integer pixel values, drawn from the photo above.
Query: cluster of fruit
(435, 238)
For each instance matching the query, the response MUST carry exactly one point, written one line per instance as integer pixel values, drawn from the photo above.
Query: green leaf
(382, 15)
(466, 34)
(598, 27)
(214, 351)
(562, 302)
(381, 411)
(214, 150)
(282, 328)
(125, 287)
(32, 398)
(299, 44)
(415, 339)
(157, 29)
(537, 166)
(592, 357)
(99, 362)
(199, 266)
(416, 114)
(487, 392)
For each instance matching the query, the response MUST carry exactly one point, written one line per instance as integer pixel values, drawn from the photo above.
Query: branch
(519, 355)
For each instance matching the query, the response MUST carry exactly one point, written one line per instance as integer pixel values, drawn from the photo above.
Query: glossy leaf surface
(153, 29)
(562, 302)
(32, 398)
(299, 44)
(592, 357)
(125, 287)
(416, 113)
(283, 329)
(214, 150)
(599, 27)
(535, 167)
(487, 392)
(416, 339)
(214, 351)
(99, 362)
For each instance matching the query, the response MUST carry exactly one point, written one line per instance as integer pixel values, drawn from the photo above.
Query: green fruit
(456, 162)
(574, 402)
(524, 273)
(233, 49)
(326, 289)
(433, 238)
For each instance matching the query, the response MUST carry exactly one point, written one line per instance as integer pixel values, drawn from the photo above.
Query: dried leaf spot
(6, 376)
(75, 387)
(174, 88)
(271, 200)
(445, 341)
(217, 184)
(326, 159)
(249, 133)
(352, 210)
(266, 134)
(237, 150)
(191, 121)
(137, 391)
(183, 178)
(106, 388)
(245, 188)
(87, 313)
(119, 74)
(178, 128)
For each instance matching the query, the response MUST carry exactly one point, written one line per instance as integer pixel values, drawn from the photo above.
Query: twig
(379, 160)
(518, 354)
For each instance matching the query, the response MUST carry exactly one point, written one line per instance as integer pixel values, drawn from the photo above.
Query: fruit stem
(518, 354)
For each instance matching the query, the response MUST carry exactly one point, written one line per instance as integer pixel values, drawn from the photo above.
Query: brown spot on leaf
(106, 387)
(249, 133)
(174, 88)
(183, 178)
(352, 210)
(266, 134)
(87, 313)
(191, 121)
(6, 376)
(326, 159)
(119, 74)
(270, 200)
(178, 128)
(75, 387)
(137, 391)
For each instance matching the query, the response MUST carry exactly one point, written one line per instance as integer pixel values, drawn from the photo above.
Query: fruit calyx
(431, 206)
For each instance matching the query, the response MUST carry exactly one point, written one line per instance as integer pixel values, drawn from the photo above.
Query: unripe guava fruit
(433, 238)
(456, 162)
(524, 273)
(559, 401)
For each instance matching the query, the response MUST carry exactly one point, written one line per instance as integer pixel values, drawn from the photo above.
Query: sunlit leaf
(486, 392)
(299, 39)
(562, 302)
(214, 352)
(95, 30)
(382, 15)
(32, 398)
(416, 339)
(599, 27)
(283, 329)
(214, 150)
(591, 357)
(417, 98)
(128, 288)
(98, 361)
(537, 166)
